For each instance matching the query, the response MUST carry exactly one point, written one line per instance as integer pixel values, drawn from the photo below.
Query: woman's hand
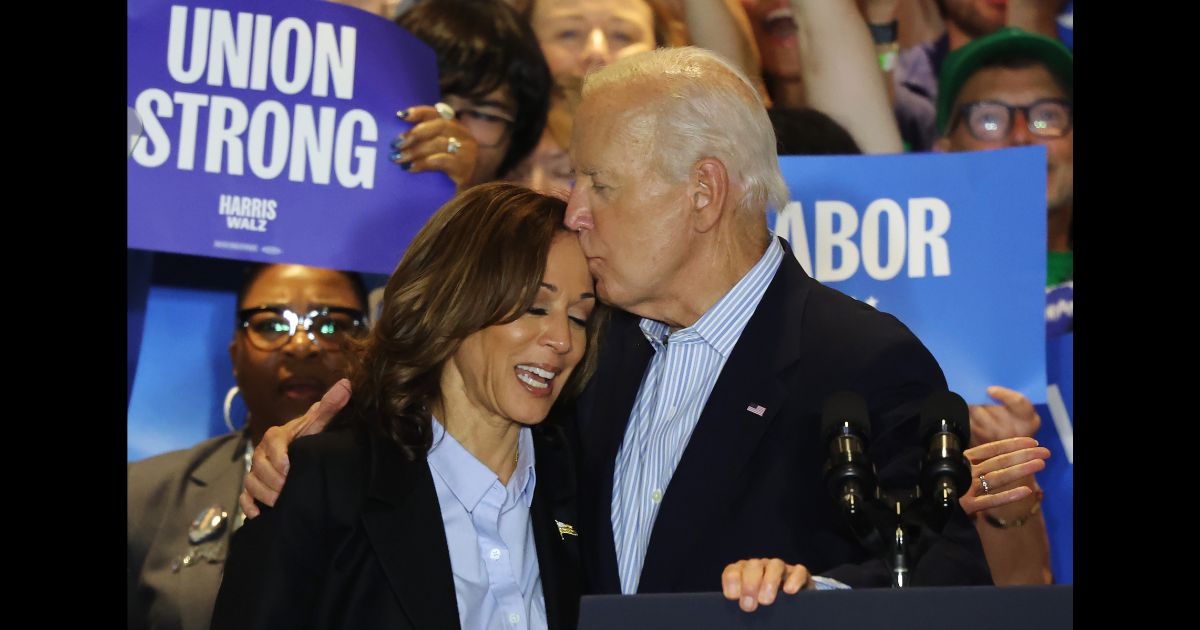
(1008, 467)
(436, 143)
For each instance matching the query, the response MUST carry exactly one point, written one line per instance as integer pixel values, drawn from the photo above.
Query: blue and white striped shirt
(674, 390)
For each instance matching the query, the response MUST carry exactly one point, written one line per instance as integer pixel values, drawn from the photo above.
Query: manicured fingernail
(393, 156)
(406, 165)
(402, 114)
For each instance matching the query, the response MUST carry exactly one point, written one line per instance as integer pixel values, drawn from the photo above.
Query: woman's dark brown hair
(478, 262)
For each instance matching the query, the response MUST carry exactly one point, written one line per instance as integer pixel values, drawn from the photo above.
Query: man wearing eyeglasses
(1014, 88)
(1010, 89)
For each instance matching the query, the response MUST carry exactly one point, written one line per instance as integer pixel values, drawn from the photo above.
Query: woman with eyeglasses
(289, 346)
(438, 498)
(496, 85)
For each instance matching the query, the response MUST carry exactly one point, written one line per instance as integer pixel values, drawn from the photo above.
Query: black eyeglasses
(488, 129)
(991, 121)
(272, 327)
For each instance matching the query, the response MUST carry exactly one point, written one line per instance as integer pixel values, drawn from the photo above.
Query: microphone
(946, 428)
(849, 475)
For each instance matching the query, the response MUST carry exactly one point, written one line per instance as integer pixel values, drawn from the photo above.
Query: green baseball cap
(962, 63)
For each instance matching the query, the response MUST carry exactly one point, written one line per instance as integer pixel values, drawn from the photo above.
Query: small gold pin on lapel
(565, 530)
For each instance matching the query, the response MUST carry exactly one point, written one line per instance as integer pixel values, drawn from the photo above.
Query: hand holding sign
(134, 128)
(436, 143)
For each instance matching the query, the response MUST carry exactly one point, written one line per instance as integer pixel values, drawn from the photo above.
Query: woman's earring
(233, 391)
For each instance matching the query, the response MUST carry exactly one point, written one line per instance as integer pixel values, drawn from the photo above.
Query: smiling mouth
(536, 378)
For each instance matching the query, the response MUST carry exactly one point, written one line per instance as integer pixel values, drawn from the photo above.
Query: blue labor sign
(266, 131)
(952, 244)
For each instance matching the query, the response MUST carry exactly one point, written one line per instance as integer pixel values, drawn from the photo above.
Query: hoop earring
(233, 391)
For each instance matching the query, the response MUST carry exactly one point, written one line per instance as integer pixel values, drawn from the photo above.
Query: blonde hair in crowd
(702, 106)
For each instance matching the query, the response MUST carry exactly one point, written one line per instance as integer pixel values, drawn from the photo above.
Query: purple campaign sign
(267, 126)
(952, 244)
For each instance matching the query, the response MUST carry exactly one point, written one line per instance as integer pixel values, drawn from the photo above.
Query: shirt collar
(722, 325)
(469, 479)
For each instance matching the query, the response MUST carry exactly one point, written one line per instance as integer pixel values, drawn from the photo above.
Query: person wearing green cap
(1014, 88)
(915, 74)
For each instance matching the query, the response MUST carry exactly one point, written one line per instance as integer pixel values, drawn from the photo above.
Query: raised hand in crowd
(881, 16)
(841, 72)
(495, 91)
(1015, 416)
(723, 27)
(437, 142)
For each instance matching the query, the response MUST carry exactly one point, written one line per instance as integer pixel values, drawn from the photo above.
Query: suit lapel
(403, 521)
(604, 415)
(217, 480)
(218, 467)
(558, 553)
(727, 433)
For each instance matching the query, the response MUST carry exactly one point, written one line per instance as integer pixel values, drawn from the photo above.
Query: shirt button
(656, 496)
(495, 554)
(514, 618)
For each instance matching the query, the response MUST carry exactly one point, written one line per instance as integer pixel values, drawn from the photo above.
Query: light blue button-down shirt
(492, 554)
(674, 390)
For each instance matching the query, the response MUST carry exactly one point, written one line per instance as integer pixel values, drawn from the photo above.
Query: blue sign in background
(178, 395)
(179, 210)
(1057, 433)
(984, 319)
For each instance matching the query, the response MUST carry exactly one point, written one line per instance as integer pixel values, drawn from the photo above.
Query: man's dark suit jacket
(356, 540)
(750, 486)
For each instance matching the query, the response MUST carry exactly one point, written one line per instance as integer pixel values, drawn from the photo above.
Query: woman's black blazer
(356, 541)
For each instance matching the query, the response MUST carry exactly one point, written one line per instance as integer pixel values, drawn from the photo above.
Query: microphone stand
(894, 526)
(890, 523)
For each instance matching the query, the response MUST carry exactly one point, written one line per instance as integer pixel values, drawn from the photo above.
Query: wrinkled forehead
(619, 120)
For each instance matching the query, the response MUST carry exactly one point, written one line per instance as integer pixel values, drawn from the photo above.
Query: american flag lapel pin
(564, 530)
(757, 410)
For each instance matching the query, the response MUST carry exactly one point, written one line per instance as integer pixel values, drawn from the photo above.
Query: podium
(922, 608)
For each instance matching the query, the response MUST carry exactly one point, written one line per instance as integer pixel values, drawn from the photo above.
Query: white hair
(702, 106)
